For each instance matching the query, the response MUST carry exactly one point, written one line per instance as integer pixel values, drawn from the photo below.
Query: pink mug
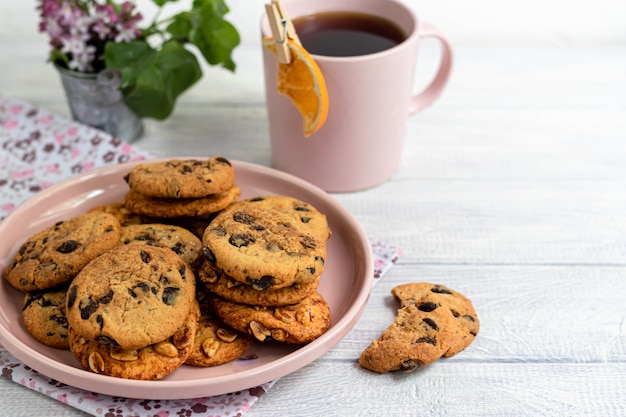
(370, 100)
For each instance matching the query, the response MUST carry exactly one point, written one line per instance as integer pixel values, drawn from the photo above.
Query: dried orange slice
(302, 81)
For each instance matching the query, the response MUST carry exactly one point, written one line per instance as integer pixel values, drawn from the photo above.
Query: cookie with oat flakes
(151, 362)
(294, 324)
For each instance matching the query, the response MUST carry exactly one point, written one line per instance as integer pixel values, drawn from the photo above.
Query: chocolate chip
(169, 295)
(223, 160)
(88, 309)
(183, 272)
(440, 290)
(428, 340)
(302, 208)
(208, 255)
(107, 298)
(319, 259)
(145, 257)
(71, 296)
(186, 169)
(427, 307)
(100, 321)
(107, 340)
(68, 246)
(59, 320)
(256, 199)
(262, 284)
(308, 242)
(432, 323)
(241, 239)
(178, 248)
(219, 231)
(409, 365)
(305, 219)
(311, 269)
(468, 317)
(241, 217)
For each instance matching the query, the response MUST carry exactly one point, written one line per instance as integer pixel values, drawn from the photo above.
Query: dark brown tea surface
(346, 33)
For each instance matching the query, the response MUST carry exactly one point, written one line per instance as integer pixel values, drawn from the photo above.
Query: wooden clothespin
(282, 29)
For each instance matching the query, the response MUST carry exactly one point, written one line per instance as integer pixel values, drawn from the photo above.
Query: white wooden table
(512, 191)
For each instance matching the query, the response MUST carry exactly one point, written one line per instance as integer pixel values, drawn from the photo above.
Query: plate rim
(289, 363)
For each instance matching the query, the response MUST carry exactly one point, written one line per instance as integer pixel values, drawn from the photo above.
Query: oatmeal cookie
(295, 324)
(151, 362)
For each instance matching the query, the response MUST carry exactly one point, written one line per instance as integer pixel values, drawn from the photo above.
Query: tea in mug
(346, 33)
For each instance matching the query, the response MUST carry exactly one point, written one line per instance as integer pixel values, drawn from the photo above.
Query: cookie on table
(461, 308)
(192, 178)
(44, 316)
(121, 213)
(432, 322)
(216, 343)
(179, 207)
(294, 324)
(55, 255)
(151, 362)
(131, 296)
(267, 242)
(416, 338)
(183, 242)
(218, 283)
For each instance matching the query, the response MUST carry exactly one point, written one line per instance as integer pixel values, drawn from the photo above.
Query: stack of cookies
(263, 258)
(181, 188)
(433, 321)
(118, 285)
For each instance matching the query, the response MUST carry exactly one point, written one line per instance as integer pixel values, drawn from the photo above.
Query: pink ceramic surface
(370, 99)
(345, 284)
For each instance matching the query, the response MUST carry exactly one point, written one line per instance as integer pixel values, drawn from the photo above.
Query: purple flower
(80, 29)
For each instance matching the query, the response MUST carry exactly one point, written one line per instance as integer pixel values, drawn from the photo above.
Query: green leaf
(153, 91)
(215, 37)
(130, 58)
(161, 3)
(180, 26)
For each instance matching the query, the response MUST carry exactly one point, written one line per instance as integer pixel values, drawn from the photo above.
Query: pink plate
(345, 285)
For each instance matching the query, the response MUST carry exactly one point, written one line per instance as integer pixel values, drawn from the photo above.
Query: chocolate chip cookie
(44, 316)
(268, 242)
(295, 324)
(180, 207)
(55, 255)
(218, 283)
(151, 362)
(461, 308)
(429, 325)
(193, 178)
(131, 296)
(183, 242)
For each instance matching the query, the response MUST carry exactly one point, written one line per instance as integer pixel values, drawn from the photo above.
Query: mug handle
(434, 89)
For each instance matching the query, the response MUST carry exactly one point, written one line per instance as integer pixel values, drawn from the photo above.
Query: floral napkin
(39, 149)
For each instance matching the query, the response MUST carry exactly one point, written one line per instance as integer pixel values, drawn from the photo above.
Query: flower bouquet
(155, 62)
